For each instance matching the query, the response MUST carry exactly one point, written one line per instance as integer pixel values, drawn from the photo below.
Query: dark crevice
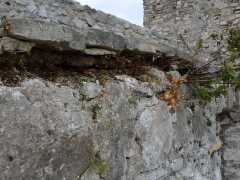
(10, 158)
(49, 64)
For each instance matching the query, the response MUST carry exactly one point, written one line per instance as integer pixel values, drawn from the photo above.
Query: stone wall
(198, 27)
(201, 28)
(80, 98)
(75, 27)
(229, 132)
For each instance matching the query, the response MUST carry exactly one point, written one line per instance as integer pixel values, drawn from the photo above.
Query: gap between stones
(51, 64)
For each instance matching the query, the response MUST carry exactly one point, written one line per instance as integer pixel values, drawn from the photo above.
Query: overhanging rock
(66, 25)
(81, 99)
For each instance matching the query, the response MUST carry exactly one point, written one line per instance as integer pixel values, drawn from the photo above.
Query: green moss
(238, 82)
(202, 93)
(234, 43)
(133, 100)
(227, 72)
(108, 124)
(214, 36)
(234, 39)
(99, 166)
(199, 44)
(209, 123)
(96, 110)
(207, 93)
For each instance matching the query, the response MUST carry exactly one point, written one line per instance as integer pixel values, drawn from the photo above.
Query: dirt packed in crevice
(62, 66)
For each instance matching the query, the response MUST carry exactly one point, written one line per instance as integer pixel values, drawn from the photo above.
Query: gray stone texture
(51, 131)
(197, 27)
(201, 28)
(74, 128)
(67, 25)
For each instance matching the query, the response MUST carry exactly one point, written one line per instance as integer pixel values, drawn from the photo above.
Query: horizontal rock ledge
(66, 38)
(24, 34)
(28, 60)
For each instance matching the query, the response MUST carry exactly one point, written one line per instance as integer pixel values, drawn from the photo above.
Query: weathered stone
(98, 52)
(48, 33)
(91, 90)
(229, 129)
(196, 27)
(67, 116)
(201, 28)
(13, 45)
(67, 25)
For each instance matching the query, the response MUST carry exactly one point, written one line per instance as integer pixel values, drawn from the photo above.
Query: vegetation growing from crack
(133, 100)
(96, 110)
(206, 85)
(214, 36)
(96, 164)
(64, 66)
(67, 68)
(234, 44)
(99, 166)
(199, 44)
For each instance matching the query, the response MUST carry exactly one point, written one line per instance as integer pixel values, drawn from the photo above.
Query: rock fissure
(49, 63)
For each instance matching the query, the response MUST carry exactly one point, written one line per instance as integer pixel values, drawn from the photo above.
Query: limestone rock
(75, 104)
(67, 25)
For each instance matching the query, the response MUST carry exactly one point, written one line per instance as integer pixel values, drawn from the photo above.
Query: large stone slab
(67, 25)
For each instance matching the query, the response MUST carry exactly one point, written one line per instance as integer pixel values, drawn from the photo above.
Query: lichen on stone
(99, 166)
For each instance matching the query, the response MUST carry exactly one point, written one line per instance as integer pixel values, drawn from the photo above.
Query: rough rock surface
(49, 131)
(201, 28)
(63, 117)
(67, 25)
(198, 27)
(229, 130)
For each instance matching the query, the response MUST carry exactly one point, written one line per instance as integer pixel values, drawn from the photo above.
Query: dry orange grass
(171, 96)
